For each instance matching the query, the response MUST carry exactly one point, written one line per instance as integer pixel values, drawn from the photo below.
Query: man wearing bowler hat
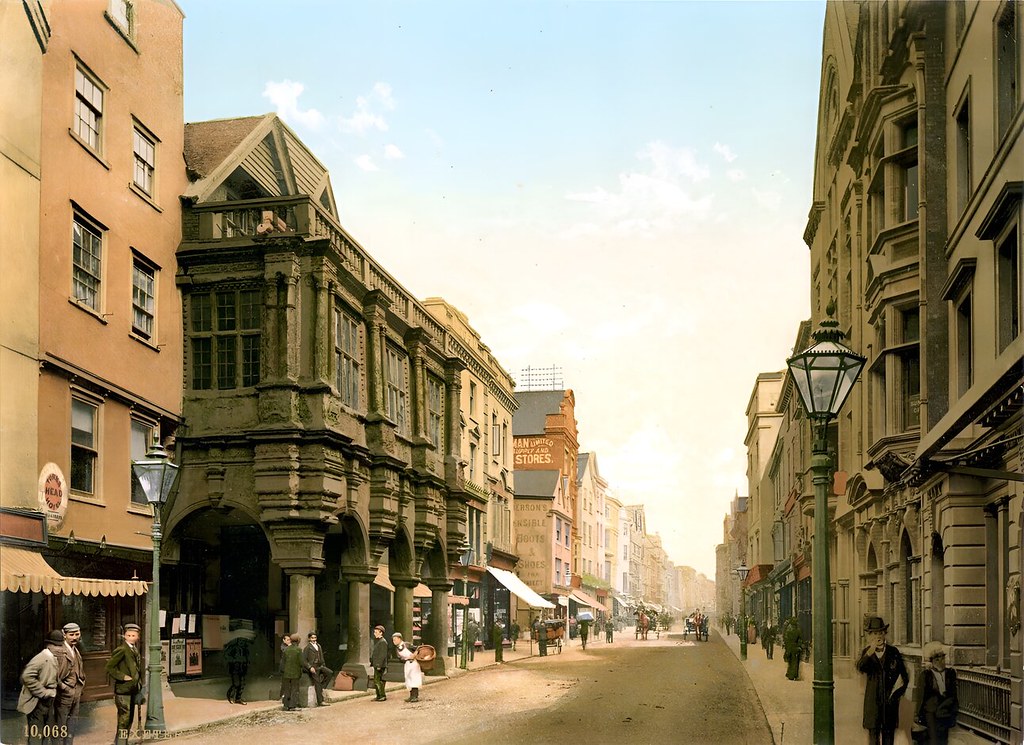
(887, 681)
(125, 668)
(70, 683)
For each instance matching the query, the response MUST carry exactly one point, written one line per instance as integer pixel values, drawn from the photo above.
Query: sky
(619, 189)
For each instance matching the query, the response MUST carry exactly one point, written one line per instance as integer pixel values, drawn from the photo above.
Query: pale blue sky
(618, 188)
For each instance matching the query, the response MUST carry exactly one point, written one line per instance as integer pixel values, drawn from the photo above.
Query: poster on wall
(194, 656)
(215, 628)
(177, 657)
(165, 655)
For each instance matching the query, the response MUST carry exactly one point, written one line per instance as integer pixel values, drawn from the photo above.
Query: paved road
(659, 691)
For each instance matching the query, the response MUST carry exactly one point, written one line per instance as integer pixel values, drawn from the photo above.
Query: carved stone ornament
(1013, 605)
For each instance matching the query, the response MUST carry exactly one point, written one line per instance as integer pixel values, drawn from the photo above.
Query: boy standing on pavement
(379, 662)
(70, 683)
(887, 682)
(291, 671)
(125, 668)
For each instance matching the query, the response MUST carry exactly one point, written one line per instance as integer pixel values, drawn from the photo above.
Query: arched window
(910, 579)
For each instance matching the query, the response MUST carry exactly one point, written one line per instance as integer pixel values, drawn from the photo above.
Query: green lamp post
(742, 571)
(156, 474)
(824, 375)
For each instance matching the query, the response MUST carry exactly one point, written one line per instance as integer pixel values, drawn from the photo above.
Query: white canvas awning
(24, 570)
(584, 599)
(518, 588)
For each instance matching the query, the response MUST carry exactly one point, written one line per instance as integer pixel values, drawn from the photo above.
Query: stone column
(439, 628)
(403, 610)
(301, 602)
(357, 661)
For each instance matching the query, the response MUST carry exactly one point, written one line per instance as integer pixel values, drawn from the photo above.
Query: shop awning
(421, 591)
(584, 599)
(24, 570)
(518, 588)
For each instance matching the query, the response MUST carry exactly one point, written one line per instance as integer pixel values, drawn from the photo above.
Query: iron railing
(984, 702)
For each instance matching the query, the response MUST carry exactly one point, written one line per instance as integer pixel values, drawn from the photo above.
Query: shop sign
(533, 451)
(53, 495)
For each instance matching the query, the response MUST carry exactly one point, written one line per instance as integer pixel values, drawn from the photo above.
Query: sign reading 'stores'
(533, 451)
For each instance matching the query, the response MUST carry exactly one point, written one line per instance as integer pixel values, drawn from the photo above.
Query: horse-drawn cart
(553, 630)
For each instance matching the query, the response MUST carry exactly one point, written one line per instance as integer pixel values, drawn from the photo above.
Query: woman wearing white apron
(413, 674)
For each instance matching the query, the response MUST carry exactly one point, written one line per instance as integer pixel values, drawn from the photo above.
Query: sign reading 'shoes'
(53, 495)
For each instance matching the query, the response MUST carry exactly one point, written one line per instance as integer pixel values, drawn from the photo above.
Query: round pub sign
(53, 494)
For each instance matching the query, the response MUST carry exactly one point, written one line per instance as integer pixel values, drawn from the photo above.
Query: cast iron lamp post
(156, 474)
(742, 571)
(824, 375)
(464, 560)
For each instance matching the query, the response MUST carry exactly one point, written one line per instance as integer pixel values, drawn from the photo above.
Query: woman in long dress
(413, 673)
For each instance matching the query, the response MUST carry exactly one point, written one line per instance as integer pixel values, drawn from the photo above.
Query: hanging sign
(53, 495)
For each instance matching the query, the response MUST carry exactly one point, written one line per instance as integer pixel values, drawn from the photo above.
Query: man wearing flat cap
(125, 668)
(70, 683)
(887, 681)
(39, 689)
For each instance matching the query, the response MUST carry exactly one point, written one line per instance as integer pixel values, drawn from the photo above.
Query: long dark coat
(887, 682)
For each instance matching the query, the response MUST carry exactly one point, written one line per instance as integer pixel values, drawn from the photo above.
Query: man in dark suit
(313, 664)
(379, 662)
(887, 681)
(125, 668)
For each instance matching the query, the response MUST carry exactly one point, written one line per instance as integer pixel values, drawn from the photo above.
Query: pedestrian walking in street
(39, 691)
(584, 627)
(768, 639)
(609, 630)
(70, 684)
(236, 654)
(379, 662)
(316, 667)
(291, 672)
(792, 645)
(124, 668)
(887, 681)
(541, 632)
(935, 695)
(513, 631)
(472, 632)
(413, 673)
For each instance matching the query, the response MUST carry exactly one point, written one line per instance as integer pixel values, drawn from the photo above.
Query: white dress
(413, 674)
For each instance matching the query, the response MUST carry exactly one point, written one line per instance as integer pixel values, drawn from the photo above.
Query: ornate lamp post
(742, 571)
(156, 474)
(464, 560)
(824, 375)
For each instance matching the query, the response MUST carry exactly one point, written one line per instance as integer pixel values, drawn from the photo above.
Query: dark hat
(132, 627)
(875, 623)
(69, 627)
(379, 628)
(311, 634)
(55, 637)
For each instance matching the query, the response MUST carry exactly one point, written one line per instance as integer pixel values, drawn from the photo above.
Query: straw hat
(932, 649)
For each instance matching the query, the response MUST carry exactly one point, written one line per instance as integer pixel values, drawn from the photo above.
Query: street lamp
(464, 560)
(742, 571)
(824, 375)
(156, 474)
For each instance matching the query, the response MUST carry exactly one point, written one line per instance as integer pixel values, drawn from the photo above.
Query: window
(472, 397)
(225, 341)
(908, 175)
(142, 436)
(1007, 64)
(145, 161)
(397, 401)
(122, 13)
(87, 260)
(143, 298)
(83, 446)
(346, 358)
(558, 571)
(435, 412)
(558, 530)
(964, 345)
(963, 155)
(495, 436)
(88, 109)
(1008, 286)
(472, 462)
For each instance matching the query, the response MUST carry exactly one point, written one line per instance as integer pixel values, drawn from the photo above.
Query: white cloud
(725, 151)
(392, 152)
(285, 97)
(736, 175)
(366, 116)
(768, 198)
(672, 163)
(365, 162)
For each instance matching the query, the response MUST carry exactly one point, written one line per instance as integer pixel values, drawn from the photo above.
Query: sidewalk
(195, 705)
(789, 704)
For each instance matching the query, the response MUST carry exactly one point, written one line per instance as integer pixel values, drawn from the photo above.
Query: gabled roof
(536, 483)
(534, 407)
(581, 465)
(261, 150)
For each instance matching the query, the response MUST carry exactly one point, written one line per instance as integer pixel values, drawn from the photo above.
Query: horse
(643, 623)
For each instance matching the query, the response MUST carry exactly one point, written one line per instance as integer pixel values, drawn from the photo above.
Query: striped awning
(24, 570)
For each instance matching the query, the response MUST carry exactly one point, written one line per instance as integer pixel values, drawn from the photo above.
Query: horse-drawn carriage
(553, 630)
(698, 628)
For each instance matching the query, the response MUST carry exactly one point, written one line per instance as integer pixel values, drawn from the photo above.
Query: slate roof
(536, 483)
(208, 144)
(581, 465)
(534, 406)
